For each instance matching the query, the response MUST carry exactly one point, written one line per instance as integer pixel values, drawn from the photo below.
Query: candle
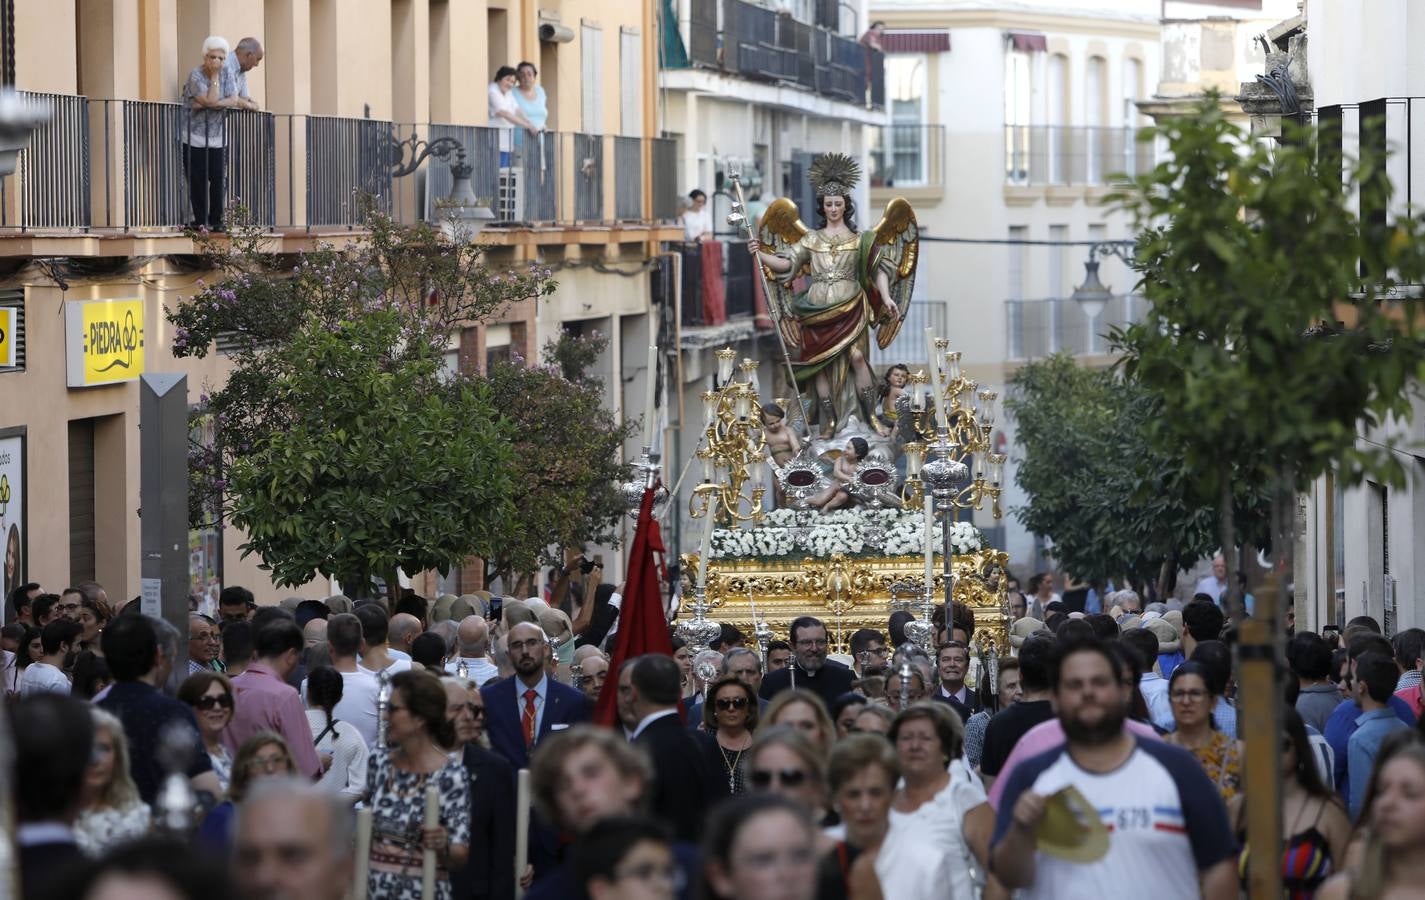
(937, 398)
(929, 541)
(521, 828)
(650, 395)
(705, 554)
(363, 853)
(428, 860)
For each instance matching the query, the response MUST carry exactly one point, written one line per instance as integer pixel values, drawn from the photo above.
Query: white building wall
(1361, 52)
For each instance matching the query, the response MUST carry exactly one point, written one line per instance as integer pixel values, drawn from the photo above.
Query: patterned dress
(397, 800)
(1222, 762)
(96, 830)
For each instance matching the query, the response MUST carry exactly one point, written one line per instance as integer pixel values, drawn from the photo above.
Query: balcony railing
(1037, 328)
(120, 164)
(347, 159)
(907, 155)
(665, 178)
(1073, 155)
(755, 42)
(50, 187)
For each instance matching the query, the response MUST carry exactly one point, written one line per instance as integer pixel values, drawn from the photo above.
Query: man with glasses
(236, 604)
(810, 669)
(523, 709)
(868, 652)
(204, 642)
(69, 603)
(741, 664)
(487, 874)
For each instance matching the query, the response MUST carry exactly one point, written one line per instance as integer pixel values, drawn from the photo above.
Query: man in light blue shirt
(245, 57)
(1374, 681)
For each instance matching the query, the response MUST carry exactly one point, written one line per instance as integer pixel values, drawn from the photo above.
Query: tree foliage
(1264, 344)
(339, 442)
(566, 456)
(1112, 502)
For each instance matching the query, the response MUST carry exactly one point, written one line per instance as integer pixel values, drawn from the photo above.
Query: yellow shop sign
(104, 341)
(8, 340)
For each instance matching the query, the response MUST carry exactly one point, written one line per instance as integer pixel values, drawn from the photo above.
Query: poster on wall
(12, 510)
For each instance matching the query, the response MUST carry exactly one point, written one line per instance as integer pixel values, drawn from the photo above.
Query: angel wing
(898, 240)
(779, 228)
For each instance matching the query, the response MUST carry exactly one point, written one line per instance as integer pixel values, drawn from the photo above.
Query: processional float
(843, 499)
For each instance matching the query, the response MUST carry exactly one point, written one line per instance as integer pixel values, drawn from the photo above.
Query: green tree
(339, 441)
(1112, 502)
(1264, 344)
(565, 465)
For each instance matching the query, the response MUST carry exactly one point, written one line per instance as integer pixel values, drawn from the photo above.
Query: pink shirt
(1414, 697)
(264, 702)
(1046, 736)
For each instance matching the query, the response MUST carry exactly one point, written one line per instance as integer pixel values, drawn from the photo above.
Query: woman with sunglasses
(783, 762)
(730, 716)
(210, 694)
(337, 742)
(1191, 692)
(264, 755)
(397, 781)
(1316, 829)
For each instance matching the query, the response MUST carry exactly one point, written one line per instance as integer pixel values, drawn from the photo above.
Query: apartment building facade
(91, 223)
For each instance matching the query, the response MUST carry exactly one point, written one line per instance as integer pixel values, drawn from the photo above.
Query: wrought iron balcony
(907, 156)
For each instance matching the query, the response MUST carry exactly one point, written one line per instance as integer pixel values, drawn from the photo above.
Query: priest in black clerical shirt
(810, 669)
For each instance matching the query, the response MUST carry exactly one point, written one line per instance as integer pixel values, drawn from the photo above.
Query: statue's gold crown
(834, 174)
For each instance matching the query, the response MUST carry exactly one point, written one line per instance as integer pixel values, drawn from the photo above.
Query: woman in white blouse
(112, 811)
(939, 798)
(339, 744)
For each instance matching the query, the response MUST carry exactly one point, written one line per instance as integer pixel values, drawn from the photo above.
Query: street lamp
(18, 117)
(1092, 296)
(462, 215)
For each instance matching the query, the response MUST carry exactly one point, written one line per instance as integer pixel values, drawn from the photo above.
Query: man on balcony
(245, 57)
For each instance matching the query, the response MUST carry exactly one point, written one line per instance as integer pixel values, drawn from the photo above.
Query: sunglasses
(763, 778)
(225, 701)
(724, 703)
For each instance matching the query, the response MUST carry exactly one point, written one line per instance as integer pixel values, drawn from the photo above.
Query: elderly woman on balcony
(505, 112)
(210, 91)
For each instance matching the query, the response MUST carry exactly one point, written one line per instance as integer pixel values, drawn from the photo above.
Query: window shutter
(591, 57)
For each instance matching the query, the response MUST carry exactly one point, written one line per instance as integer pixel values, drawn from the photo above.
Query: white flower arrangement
(789, 532)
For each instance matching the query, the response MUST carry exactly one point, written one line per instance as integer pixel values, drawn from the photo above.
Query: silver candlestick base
(645, 475)
(699, 631)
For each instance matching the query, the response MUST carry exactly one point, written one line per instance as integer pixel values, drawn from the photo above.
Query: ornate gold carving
(848, 593)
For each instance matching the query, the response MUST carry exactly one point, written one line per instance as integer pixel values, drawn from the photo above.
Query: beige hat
(1128, 623)
(440, 609)
(1071, 828)
(1174, 617)
(1167, 635)
(460, 609)
(1023, 628)
(480, 605)
(338, 603)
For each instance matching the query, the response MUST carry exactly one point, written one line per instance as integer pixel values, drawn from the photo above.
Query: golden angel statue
(855, 282)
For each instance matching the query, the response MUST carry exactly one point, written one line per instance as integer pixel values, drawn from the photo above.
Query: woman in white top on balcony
(505, 111)
(208, 94)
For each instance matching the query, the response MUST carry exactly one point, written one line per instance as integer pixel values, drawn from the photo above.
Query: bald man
(527, 707)
(472, 639)
(403, 629)
(591, 677)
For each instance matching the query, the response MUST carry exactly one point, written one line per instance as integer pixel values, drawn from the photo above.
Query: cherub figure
(843, 471)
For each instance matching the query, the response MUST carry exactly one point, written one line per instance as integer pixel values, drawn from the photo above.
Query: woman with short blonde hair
(806, 712)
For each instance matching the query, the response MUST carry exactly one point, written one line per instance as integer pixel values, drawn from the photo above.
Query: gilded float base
(848, 593)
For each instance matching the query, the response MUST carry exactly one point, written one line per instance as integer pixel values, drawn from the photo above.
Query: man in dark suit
(681, 782)
(810, 669)
(524, 709)
(53, 736)
(953, 661)
(520, 711)
(488, 874)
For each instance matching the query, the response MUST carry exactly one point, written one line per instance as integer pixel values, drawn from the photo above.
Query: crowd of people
(1104, 760)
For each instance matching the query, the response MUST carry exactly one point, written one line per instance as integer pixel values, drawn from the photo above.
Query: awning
(915, 41)
(1028, 42)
